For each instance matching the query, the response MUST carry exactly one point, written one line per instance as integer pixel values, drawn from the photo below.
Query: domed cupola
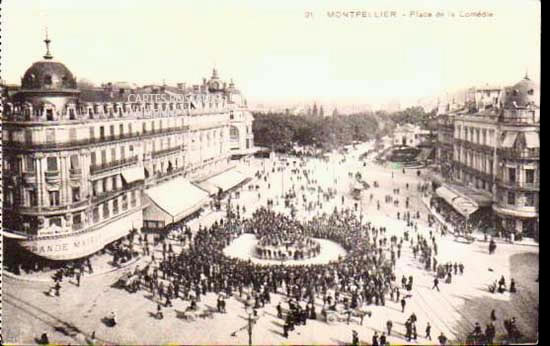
(523, 94)
(215, 84)
(48, 74)
(48, 90)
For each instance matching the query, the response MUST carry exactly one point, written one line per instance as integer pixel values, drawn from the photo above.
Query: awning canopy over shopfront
(509, 139)
(532, 140)
(425, 154)
(461, 204)
(12, 235)
(133, 174)
(209, 187)
(482, 199)
(228, 179)
(173, 201)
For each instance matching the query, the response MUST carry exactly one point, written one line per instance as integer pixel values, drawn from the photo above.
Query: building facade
(78, 162)
(496, 152)
(409, 135)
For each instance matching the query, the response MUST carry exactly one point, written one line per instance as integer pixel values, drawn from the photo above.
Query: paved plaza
(80, 311)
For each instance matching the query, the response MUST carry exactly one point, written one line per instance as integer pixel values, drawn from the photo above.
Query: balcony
(91, 141)
(29, 177)
(75, 173)
(514, 154)
(477, 173)
(162, 177)
(165, 152)
(52, 176)
(105, 196)
(104, 167)
(518, 185)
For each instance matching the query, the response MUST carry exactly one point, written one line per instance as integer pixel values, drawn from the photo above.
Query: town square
(268, 184)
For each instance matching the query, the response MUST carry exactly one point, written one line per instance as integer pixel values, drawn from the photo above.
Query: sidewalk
(478, 236)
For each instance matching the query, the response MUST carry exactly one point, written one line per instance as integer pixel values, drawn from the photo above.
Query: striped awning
(463, 205)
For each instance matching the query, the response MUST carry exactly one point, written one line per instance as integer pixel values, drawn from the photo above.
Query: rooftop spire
(526, 73)
(47, 41)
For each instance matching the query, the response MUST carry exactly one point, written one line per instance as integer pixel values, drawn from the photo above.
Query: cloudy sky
(276, 54)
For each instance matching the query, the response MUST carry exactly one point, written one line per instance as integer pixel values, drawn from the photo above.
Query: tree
(315, 110)
(335, 112)
(321, 111)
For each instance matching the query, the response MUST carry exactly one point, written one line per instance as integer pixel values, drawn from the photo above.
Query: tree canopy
(281, 131)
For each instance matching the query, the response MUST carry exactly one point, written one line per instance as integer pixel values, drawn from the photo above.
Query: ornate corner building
(81, 165)
(490, 149)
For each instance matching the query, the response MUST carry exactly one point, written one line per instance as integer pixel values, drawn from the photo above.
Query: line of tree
(281, 131)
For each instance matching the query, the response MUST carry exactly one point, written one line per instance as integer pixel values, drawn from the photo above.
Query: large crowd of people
(344, 287)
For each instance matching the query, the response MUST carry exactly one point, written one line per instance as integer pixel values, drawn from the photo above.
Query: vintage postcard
(242, 172)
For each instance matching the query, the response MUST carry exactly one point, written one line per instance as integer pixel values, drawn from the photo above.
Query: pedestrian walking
(403, 303)
(436, 284)
(389, 325)
(428, 331)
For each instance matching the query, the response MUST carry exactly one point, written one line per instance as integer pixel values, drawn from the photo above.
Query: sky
(282, 52)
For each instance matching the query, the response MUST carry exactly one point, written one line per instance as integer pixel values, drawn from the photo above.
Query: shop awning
(173, 200)
(228, 179)
(425, 154)
(515, 213)
(532, 140)
(12, 235)
(210, 188)
(509, 140)
(461, 204)
(133, 174)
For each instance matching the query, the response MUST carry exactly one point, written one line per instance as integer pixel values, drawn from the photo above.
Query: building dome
(215, 84)
(523, 94)
(48, 75)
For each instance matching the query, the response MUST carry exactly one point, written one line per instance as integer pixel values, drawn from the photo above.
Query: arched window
(48, 80)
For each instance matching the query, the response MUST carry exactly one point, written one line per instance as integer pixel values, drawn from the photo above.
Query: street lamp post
(249, 325)
(250, 321)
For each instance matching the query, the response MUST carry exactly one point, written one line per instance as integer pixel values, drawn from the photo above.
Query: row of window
(511, 176)
(471, 179)
(475, 135)
(474, 160)
(122, 108)
(512, 198)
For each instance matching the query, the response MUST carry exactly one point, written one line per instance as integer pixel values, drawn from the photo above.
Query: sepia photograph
(241, 172)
